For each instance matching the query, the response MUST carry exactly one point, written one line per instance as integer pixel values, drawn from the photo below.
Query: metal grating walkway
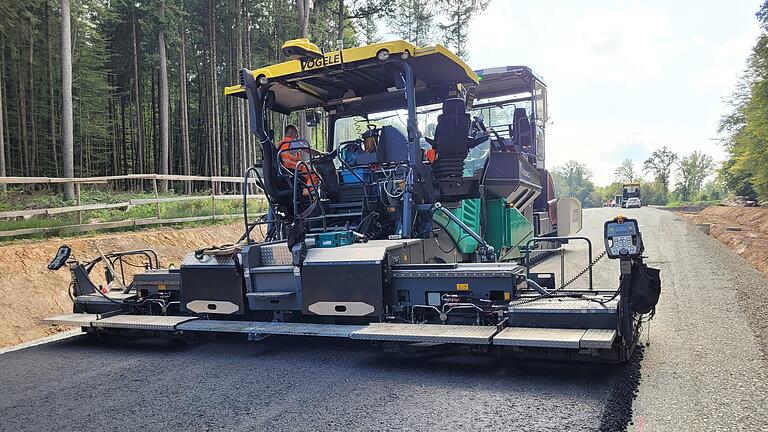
(392, 332)
(432, 333)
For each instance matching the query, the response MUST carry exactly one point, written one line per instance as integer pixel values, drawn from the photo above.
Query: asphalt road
(704, 370)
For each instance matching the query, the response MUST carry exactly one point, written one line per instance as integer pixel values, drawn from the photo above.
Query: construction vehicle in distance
(386, 235)
(629, 190)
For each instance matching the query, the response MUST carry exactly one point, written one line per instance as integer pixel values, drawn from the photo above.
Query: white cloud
(623, 45)
(602, 146)
(724, 63)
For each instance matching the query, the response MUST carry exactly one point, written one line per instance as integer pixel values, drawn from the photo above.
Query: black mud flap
(646, 288)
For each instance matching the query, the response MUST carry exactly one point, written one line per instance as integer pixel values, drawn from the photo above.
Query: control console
(622, 238)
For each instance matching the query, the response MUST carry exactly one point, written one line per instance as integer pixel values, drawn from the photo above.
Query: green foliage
(693, 169)
(415, 21)
(626, 173)
(712, 190)
(23, 199)
(660, 166)
(574, 179)
(456, 26)
(746, 127)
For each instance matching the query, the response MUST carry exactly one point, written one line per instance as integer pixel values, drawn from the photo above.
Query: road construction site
(703, 368)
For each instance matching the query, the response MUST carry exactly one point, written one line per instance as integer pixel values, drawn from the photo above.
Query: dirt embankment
(743, 229)
(30, 292)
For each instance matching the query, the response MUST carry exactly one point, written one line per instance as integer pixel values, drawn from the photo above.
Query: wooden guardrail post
(79, 212)
(213, 200)
(157, 197)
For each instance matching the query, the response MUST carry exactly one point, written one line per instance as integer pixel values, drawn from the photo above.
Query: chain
(586, 269)
(570, 281)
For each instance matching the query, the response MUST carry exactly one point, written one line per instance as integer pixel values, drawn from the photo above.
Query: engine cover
(212, 285)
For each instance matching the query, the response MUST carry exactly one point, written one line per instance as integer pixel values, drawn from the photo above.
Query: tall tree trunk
(302, 12)
(183, 114)
(3, 187)
(124, 153)
(6, 157)
(239, 106)
(340, 25)
(165, 128)
(115, 132)
(51, 100)
(67, 137)
(215, 127)
(249, 137)
(33, 123)
(22, 115)
(153, 121)
(138, 99)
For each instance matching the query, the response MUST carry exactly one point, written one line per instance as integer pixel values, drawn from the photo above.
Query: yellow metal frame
(350, 55)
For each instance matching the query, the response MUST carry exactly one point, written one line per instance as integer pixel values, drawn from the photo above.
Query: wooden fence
(157, 200)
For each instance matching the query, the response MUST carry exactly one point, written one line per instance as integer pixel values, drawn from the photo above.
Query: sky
(624, 78)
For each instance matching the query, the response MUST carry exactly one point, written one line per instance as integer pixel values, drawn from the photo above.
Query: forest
(111, 87)
(745, 128)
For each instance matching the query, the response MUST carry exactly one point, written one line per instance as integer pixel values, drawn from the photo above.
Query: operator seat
(275, 185)
(522, 128)
(451, 139)
(393, 145)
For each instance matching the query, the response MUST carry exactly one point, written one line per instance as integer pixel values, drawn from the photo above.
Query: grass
(675, 204)
(28, 198)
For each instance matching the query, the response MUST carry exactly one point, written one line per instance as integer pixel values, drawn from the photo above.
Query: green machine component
(506, 228)
(467, 212)
(334, 239)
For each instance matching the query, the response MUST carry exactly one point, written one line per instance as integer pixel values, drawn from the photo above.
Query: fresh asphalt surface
(704, 369)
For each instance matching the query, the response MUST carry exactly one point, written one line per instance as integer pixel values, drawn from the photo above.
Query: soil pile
(30, 292)
(743, 229)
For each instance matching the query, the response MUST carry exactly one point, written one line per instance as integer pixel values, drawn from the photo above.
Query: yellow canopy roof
(356, 76)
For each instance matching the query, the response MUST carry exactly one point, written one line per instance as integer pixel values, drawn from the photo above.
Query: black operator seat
(451, 139)
(393, 145)
(522, 128)
(275, 185)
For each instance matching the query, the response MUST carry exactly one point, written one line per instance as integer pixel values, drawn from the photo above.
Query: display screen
(617, 229)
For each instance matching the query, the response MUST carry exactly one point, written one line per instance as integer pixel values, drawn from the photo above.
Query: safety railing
(157, 200)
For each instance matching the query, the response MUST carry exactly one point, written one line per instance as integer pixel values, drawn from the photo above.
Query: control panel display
(622, 238)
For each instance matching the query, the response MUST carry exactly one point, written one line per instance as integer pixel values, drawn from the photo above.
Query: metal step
(555, 337)
(74, 319)
(566, 305)
(433, 333)
(142, 322)
(392, 332)
(134, 322)
(271, 328)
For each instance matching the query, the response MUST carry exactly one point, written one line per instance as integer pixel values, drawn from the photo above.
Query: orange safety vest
(431, 155)
(290, 159)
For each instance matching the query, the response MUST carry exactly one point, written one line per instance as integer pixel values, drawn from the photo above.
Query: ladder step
(270, 328)
(142, 322)
(432, 333)
(555, 337)
(135, 322)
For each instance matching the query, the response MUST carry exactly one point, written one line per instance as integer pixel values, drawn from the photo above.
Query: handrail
(558, 239)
